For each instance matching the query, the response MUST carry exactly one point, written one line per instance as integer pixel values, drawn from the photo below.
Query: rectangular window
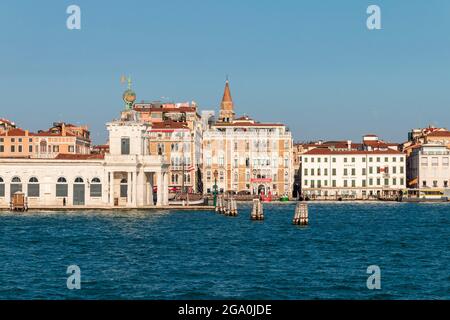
(353, 172)
(334, 160)
(402, 181)
(123, 190)
(363, 171)
(61, 190)
(402, 169)
(333, 171)
(333, 183)
(125, 145)
(20, 148)
(2, 190)
(2, 148)
(434, 161)
(394, 170)
(30, 148)
(424, 162)
(13, 149)
(370, 182)
(364, 183)
(370, 170)
(353, 183)
(345, 171)
(96, 190)
(345, 183)
(394, 181)
(33, 190)
(325, 172)
(306, 171)
(378, 182)
(445, 162)
(386, 182)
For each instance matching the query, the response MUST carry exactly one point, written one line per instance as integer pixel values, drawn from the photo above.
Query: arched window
(79, 180)
(33, 187)
(16, 185)
(2, 187)
(43, 146)
(123, 188)
(62, 187)
(96, 188)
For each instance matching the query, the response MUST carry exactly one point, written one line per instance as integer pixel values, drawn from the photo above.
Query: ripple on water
(203, 255)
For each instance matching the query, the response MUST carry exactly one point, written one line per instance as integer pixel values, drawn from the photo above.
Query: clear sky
(312, 64)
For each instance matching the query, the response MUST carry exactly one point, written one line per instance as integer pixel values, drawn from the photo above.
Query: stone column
(166, 189)
(129, 189)
(150, 198)
(159, 194)
(139, 187)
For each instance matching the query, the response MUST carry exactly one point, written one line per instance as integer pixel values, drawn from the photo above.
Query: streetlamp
(215, 187)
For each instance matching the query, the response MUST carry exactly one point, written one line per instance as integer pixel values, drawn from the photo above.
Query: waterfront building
(177, 132)
(372, 169)
(123, 177)
(60, 139)
(428, 167)
(248, 156)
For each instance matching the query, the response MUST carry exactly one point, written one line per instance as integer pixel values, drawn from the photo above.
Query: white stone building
(352, 174)
(428, 167)
(122, 178)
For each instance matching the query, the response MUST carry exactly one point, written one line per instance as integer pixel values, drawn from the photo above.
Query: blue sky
(310, 64)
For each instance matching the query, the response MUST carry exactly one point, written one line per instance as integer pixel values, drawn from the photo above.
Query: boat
(284, 198)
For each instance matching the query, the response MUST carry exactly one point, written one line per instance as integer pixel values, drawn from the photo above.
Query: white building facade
(353, 174)
(428, 167)
(122, 178)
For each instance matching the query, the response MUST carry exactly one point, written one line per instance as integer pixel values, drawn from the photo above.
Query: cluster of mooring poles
(301, 215)
(257, 210)
(226, 206)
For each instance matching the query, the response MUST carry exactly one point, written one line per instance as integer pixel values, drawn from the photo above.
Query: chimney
(63, 129)
(349, 144)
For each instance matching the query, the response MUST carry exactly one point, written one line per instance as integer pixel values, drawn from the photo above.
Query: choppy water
(203, 255)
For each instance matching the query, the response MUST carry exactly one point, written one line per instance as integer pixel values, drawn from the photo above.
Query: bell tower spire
(226, 106)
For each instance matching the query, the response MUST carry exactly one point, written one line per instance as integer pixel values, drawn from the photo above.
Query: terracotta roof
(53, 134)
(248, 124)
(326, 151)
(169, 124)
(16, 132)
(439, 134)
(164, 109)
(66, 156)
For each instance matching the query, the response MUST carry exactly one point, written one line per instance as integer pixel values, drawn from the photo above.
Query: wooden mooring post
(233, 208)
(220, 204)
(301, 214)
(257, 210)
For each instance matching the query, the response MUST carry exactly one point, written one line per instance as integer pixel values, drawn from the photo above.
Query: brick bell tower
(226, 106)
